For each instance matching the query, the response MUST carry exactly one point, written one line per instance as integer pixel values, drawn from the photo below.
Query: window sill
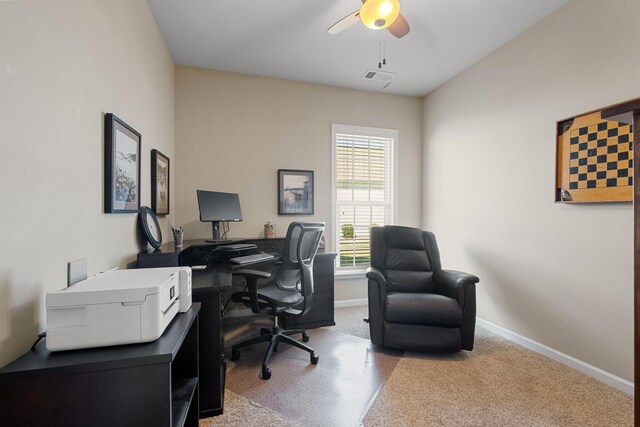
(349, 274)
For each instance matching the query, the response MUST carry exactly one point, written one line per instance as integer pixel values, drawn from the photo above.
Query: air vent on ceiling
(378, 76)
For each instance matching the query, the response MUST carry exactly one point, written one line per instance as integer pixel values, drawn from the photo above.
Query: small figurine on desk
(269, 230)
(178, 235)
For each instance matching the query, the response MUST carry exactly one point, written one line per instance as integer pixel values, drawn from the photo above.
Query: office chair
(413, 303)
(292, 287)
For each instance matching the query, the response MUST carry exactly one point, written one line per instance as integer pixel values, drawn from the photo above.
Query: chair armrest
(252, 277)
(253, 274)
(375, 274)
(454, 283)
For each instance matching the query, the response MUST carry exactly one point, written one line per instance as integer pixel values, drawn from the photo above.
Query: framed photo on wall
(295, 192)
(159, 183)
(122, 146)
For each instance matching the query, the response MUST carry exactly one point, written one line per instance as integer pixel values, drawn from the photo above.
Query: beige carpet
(499, 383)
(240, 411)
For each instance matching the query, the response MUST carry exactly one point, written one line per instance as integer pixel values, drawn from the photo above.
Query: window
(363, 189)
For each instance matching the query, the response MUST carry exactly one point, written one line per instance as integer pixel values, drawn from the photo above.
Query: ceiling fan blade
(345, 22)
(400, 27)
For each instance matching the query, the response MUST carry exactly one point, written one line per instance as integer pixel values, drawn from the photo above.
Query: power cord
(40, 336)
(225, 229)
(224, 309)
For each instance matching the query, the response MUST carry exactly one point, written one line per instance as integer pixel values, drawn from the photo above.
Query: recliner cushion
(422, 309)
(404, 238)
(407, 259)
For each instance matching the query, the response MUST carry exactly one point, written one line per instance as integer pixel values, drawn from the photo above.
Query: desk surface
(217, 277)
(170, 248)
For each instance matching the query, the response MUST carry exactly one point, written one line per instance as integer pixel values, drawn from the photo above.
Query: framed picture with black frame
(295, 192)
(122, 145)
(159, 183)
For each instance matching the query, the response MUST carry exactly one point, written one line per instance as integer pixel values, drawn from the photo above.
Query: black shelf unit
(181, 398)
(154, 383)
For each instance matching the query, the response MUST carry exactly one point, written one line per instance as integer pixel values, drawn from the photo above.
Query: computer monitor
(217, 207)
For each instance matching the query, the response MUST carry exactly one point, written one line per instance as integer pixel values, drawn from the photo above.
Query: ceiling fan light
(379, 14)
(385, 8)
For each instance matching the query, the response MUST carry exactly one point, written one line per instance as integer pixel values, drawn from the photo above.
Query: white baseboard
(351, 302)
(594, 372)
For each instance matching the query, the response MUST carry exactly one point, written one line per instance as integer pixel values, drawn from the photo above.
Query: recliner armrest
(453, 283)
(455, 277)
(377, 293)
(461, 287)
(375, 274)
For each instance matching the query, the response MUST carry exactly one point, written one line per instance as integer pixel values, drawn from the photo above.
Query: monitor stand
(215, 232)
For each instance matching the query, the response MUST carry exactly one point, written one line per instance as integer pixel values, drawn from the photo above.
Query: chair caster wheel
(266, 373)
(305, 337)
(235, 354)
(315, 358)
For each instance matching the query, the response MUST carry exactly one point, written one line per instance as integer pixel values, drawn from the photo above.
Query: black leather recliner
(413, 303)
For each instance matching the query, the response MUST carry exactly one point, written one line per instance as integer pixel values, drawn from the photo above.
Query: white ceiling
(288, 39)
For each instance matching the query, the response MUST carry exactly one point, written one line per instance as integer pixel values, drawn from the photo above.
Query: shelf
(181, 398)
(76, 388)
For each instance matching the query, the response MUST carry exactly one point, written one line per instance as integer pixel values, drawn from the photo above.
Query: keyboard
(251, 258)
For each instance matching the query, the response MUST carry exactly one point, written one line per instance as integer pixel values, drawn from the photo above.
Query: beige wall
(233, 132)
(63, 65)
(561, 275)
(558, 274)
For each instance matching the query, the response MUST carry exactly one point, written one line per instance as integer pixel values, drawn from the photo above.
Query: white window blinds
(364, 189)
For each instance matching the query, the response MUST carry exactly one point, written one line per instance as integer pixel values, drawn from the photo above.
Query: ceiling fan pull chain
(379, 56)
(384, 52)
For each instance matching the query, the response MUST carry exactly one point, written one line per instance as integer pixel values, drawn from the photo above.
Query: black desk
(210, 286)
(145, 384)
(193, 252)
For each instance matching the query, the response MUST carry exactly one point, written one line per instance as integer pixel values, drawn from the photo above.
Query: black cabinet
(153, 383)
(322, 312)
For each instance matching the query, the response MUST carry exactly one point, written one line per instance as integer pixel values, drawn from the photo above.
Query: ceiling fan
(377, 15)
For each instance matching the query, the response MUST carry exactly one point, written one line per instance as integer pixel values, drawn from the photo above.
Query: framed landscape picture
(121, 166)
(159, 183)
(295, 192)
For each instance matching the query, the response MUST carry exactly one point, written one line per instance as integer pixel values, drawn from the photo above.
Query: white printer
(117, 307)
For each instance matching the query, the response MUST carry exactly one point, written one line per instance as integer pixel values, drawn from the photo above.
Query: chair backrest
(407, 257)
(300, 248)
